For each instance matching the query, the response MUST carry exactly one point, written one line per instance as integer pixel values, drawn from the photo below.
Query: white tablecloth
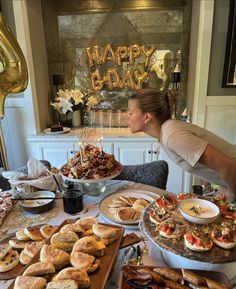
(91, 208)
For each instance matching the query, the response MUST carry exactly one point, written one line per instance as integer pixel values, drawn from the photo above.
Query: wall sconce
(175, 77)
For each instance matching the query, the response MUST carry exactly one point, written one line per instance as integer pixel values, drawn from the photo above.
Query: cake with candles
(91, 163)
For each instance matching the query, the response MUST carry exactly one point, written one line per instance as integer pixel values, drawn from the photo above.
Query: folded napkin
(37, 177)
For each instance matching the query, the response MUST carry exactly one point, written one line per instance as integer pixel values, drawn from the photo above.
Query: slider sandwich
(105, 233)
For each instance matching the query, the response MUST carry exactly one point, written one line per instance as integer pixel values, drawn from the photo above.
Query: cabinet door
(56, 153)
(133, 153)
(107, 147)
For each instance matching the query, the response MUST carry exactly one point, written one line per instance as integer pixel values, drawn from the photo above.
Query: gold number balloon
(13, 68)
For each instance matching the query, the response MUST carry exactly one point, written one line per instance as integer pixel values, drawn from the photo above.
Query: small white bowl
(199, 211)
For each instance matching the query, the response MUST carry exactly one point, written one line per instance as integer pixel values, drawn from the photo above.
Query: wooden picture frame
(229, 72)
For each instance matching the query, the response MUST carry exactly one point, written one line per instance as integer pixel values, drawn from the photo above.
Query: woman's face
(135, 117)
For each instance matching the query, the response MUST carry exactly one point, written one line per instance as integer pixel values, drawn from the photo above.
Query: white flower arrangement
(73, 99)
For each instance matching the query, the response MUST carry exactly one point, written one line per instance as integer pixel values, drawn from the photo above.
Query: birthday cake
(91, 163)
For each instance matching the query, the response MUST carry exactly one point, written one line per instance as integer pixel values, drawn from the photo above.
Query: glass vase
(76, 118)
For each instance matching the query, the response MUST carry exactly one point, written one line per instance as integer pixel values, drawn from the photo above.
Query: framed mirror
(229, 73)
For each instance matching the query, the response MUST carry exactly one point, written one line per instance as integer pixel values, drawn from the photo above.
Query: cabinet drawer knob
(149, 152)
(155, 152)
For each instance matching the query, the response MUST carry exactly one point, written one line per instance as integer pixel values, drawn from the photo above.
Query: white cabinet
(56, 152)
(135, 153)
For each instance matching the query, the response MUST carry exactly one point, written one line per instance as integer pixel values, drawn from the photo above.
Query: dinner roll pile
(72, 254)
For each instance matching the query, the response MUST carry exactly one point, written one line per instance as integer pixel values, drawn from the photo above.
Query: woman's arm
(218, 161)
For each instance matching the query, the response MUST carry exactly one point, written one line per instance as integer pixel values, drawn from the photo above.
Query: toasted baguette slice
(4, 250)
(39, 269)
(57, 257)
(79, 276)
(169, 274)
(62, 284)
(28, 282)
(9, 261)
(215, 285)
(193, 278)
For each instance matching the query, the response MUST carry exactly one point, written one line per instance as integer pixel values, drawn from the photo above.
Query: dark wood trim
(227, 72)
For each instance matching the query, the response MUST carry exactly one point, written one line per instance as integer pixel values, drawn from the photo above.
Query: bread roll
(33, 233)
(62, 284)
(4, 250)
(64, 240)
(17, 244)
(87, 223)
(47, 231)
(9, 261)
(32, 249)
(105, 232)
(28, 282)
(57, 257)
(20, 235)
(84, 261)
(79, 276)
(72, 227)
(24, 259)
(39, 269)
(90, 246)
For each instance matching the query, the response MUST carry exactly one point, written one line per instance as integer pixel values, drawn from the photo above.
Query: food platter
(139, 194)
(49, 132)
(177, 247)
(98, 278)
(19, 269)
(114, 174)
(218, 277)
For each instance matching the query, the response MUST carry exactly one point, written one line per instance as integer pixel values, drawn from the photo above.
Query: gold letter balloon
(13, 68)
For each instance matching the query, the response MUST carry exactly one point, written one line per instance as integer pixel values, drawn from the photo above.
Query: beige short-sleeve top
(185, 143)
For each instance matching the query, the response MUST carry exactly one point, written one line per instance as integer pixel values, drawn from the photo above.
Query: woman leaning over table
(193, 148)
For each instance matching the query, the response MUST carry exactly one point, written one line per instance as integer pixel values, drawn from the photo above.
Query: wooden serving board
(98, 278)
(216, 255)
(214, 275)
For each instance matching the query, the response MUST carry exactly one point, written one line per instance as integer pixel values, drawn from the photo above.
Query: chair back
(153, 174)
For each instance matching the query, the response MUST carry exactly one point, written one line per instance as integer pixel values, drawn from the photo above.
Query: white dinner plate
(48, 131)
(139, 194)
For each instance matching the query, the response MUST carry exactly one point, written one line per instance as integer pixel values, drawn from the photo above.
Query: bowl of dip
(199, 211)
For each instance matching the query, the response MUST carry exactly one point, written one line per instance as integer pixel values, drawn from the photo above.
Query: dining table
(151, 254)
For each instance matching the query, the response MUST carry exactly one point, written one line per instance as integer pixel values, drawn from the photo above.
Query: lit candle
(80, 152)
(100, 140)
